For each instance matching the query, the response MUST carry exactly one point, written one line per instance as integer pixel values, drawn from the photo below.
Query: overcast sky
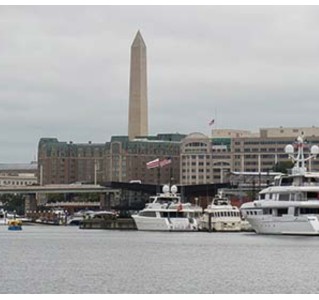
(64, 70)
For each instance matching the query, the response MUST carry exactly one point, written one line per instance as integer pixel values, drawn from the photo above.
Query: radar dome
(289, 149)
(314, 150)
(165, 189)
(174, 189)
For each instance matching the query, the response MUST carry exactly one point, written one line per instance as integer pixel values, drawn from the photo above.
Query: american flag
(165, 162)
(153, 164)
(211, 122)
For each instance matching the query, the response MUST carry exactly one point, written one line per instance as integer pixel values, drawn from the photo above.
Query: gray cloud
(64, 70)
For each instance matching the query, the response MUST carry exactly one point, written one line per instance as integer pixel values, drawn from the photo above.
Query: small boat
(220, 215)
(14, 225)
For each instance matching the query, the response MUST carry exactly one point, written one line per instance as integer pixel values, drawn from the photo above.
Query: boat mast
(299, 160)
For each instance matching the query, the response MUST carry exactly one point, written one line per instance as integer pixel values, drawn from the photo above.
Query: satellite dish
(289, 149)
(314, 150)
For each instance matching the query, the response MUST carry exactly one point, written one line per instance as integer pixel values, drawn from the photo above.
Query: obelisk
(138, 111)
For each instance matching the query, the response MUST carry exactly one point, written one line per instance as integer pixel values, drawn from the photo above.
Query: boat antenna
(299, 160)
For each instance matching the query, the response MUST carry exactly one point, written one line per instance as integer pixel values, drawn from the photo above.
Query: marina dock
(117, 224)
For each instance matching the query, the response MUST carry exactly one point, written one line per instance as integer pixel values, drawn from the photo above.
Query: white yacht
(220, 215)
(291, 205)
(166, 212)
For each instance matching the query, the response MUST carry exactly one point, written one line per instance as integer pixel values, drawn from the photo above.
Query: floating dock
(118, 224)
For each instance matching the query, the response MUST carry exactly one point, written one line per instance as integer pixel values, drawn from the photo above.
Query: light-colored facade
(18, 174)
(211, 160)
(204, 160)
(289, 132)
(138, 106)
(232, 133)
(196, 159)
(18, 180)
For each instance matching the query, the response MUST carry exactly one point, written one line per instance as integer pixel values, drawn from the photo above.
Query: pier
(116, 223)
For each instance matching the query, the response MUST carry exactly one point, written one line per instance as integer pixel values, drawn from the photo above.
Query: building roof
(18, 166)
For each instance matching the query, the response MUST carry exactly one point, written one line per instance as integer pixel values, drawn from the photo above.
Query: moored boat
(220, 215)
(291, 205)
(166, 212)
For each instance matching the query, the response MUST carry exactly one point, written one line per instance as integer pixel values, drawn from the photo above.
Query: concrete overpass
(30, 192)
(54, 189)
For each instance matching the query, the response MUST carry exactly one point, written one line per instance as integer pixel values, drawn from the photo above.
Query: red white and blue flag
(156, 163)
(165, 162)
(153, 164)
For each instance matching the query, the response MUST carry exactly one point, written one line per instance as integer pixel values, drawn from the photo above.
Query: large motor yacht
(291, 205)
(166, 212)
(220, 215)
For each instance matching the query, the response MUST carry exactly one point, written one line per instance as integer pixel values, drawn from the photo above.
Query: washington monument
(138, 111)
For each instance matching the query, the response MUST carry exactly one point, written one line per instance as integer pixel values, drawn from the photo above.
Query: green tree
(283, 166)
(13, 203)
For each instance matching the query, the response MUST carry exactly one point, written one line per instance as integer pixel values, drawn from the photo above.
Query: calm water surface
(49, 259)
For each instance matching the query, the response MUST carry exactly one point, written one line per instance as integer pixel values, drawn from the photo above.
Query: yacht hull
(165, 224)
(285, 225)
(221, 226)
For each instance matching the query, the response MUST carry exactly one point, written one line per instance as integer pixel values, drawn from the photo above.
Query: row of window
(9, 182)
(225, 214)
(284, 211)
(290, 196)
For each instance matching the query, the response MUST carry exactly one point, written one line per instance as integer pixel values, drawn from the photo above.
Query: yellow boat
(14, 225)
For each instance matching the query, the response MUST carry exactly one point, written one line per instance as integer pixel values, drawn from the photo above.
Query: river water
(54, 260)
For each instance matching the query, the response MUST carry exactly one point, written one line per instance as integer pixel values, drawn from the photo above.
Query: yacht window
(261, 196)
(286, 181)
(173, 214)
(296, 212)
(312, 195)
(284, 197)
(151, 214)
(310, 180)
(282, 211)
(310, 211)
(267, 211)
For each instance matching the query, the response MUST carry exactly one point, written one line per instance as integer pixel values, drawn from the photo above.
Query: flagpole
(158, 180)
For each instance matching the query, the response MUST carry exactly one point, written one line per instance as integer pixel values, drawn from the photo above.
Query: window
(312, 195)
(148, 214)
(282, 211)
(284, 197)
(309, 211)
(267, 211)
(173, 214)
